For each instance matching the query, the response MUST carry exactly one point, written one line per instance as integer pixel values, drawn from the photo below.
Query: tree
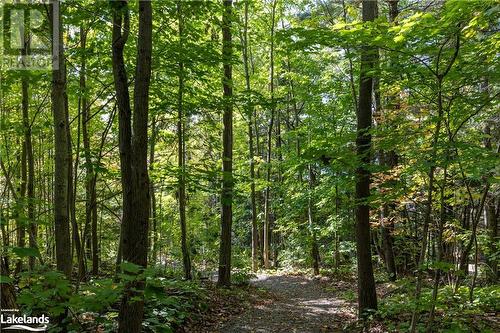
(90, 176)
(250, 118)
(181, 156)
(267, 198)
(7, 291)
(61, 156)
(367, 297)
(227, 154)
(390, 160)
(133, 154)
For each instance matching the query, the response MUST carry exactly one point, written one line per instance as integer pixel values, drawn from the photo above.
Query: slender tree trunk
(249, 112)
(72, 191)
(312, 230)
(181, 156)
(492, 221)
(367, 297)
(389, 159)
(19, 211)
(427, 218)
(428, 205)
(464, 257)
(152, 146)
(90, 177)
(227, 154)
(31, 171)
(491, 218)
(267, 198)
(28, 163)
(133, 155)
(61, 144)
(439, 241)
(94, 231)
(274, 230)
(21, 197)
(336, 255)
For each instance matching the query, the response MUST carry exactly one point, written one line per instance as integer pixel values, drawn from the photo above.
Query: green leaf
(26, 252)
(130, 267)
(5, 279)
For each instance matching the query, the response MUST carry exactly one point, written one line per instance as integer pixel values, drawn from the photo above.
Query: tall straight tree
(249, 113)
(367, 297)
(61, 155)
(267, 198)
(28, 167)
(133, 142)
(390, 160)
(181, 126)
(227, 153)
(90, 177)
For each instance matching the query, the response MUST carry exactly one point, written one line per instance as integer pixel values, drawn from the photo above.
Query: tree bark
(61, 156)
(133, 154)
(367, 297)
(224, 278)
(249, 113)
(152, 146)
(90, 190)
(491, 216)
(72, 191)
(312, 230)
(181, 156)
(267, 198)
(7, 291)
(30, 197)
(20, 199)
(439, 245)
(389, 159)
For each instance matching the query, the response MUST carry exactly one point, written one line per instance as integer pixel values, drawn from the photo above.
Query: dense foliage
(295, 102)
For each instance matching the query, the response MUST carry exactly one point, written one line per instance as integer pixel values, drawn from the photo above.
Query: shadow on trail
(301, 305)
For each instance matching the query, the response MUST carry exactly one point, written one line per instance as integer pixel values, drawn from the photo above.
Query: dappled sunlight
(302, 305)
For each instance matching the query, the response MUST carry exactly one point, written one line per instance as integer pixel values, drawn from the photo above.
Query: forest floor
(299, 304)
(296, 302)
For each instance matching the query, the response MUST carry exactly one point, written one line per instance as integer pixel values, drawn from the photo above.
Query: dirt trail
(300, 305)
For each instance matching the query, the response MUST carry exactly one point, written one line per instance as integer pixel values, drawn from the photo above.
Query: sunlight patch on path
(302, 305)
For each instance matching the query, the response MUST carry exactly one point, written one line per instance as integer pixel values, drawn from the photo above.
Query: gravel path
(300, 305)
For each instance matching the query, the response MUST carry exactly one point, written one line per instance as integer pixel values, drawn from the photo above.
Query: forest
(243, 166)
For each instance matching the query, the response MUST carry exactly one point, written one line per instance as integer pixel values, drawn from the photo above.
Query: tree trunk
(133, 154)
(90, 190)
(227, 154)
(388, 244)
(72, 191)
(428, 205)
(181, 156)
(491, 220)
(152, 146)
(267, 198)
(249, 113)
(367, 297)
(18, 213)
(28, 164)
(439, 241)
(7, 291)
(314, 240)
(389, 159)
(61, 171)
